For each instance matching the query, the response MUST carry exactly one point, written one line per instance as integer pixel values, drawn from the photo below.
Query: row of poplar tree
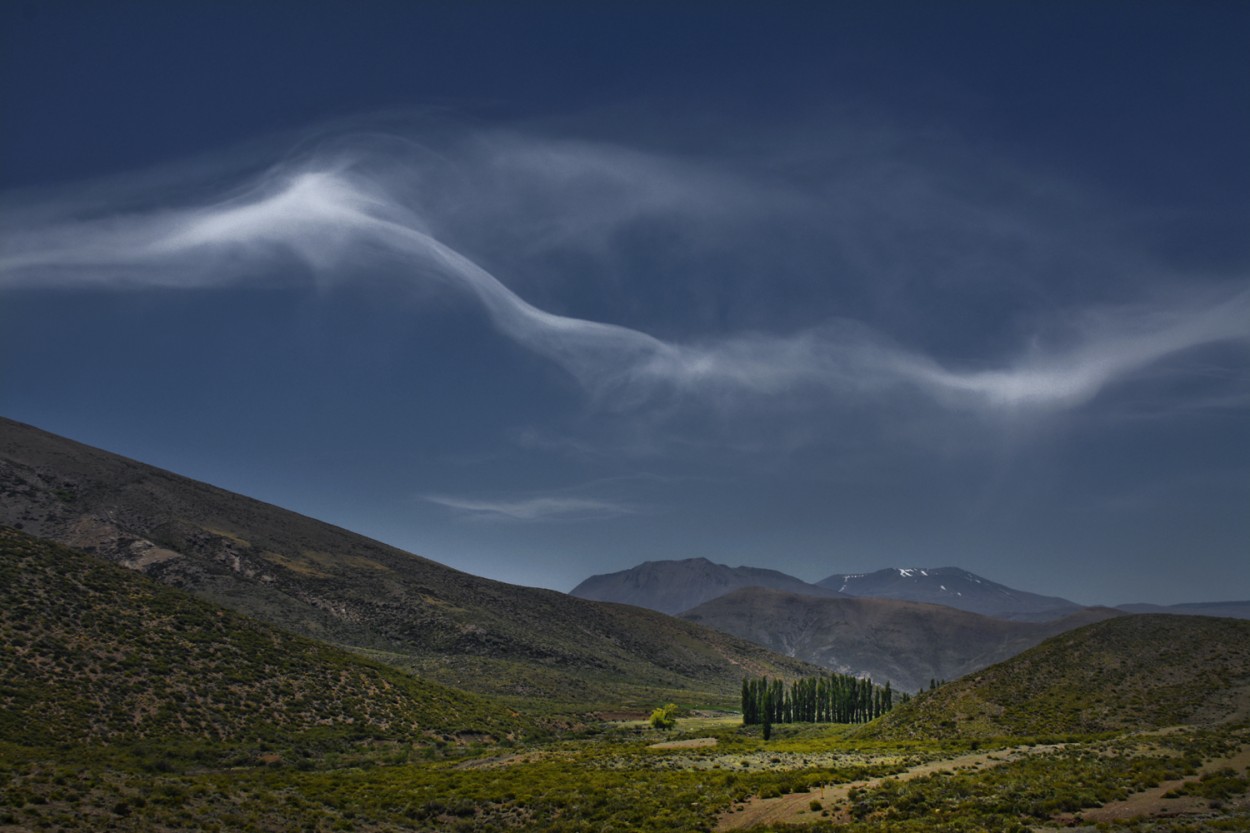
(828, 698)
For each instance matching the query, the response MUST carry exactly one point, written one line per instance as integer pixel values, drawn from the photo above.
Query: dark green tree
(827, 698)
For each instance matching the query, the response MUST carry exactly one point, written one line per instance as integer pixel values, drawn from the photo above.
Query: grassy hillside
(96, 654)
(1132, 672)
(331, 584)
(907, 643)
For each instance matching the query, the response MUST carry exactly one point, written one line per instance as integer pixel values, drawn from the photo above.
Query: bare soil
(693, 743)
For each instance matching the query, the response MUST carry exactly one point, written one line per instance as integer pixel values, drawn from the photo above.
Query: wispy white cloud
(338, 213)
(1112, 344)
(543, 508)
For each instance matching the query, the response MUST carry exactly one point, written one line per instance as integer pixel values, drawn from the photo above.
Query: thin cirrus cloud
(541, 508)
(1113, 344)
(334, 212)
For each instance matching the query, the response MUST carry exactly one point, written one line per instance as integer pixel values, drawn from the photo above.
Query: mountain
(333, 585)
(99, 654)
(907, 643)
(675, 586)
(1126, 673)
(1232, 610)
(952, 587)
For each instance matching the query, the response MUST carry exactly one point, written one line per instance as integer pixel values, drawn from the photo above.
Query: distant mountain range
(905, 625)
(676, 586)
(335, 586)
(952, 587)
(1231, 610)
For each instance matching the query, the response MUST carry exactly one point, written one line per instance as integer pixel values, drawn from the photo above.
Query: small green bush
(664, 717)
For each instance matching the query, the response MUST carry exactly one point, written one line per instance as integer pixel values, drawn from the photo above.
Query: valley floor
(710, 774)
(1176, 800)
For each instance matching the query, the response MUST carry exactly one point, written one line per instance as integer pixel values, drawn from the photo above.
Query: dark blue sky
(544, 290)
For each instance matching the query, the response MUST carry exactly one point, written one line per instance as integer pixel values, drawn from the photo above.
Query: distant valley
(907, 643)
(905, 625)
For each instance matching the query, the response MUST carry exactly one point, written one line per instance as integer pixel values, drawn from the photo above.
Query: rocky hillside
(906, 643)
(334, 585)
(1131, 672)
(98, 654)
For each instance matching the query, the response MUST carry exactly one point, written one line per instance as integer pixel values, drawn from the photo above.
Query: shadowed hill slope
(1131, 672)
(331, 584)
(907, 643)
(97, 654)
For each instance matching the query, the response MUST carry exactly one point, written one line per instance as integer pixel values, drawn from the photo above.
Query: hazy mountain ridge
(676, 586)
(332, 584)
(907, 643)
(1129, 672)
(1231, 610)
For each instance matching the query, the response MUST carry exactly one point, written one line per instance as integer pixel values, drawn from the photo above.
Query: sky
(544, 290)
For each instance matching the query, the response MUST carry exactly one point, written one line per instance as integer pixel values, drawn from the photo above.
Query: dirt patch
(496, 761)
(145, 554)
(693, 743)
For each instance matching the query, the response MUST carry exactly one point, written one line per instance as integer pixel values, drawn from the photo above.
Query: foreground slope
(953, 587)
(1131, 672)
(325, 582)
(676, 586)
(906, 643)
(97, 654)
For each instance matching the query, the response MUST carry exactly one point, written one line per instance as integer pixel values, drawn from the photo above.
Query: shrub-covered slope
(334, 585)
(1131, 672)
(94, 653)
